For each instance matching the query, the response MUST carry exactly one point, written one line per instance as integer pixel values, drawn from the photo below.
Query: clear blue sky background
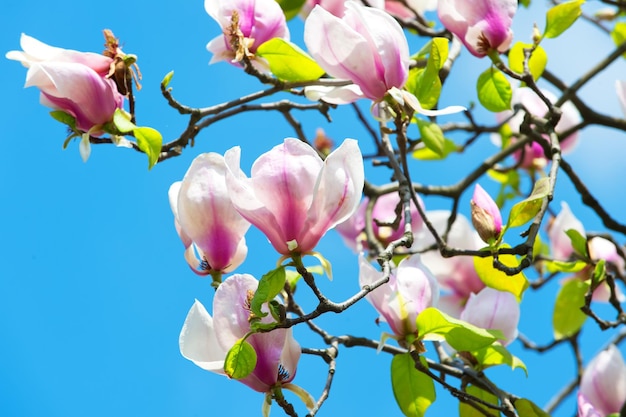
(93, 285)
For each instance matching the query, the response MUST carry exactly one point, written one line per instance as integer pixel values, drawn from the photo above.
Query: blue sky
(93, 285)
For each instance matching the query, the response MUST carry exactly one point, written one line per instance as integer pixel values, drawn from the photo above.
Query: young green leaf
(527, 209)
(526, 408)
(562, 266)
(166, 80)
(433, 324)
(65, 118)
(426, 154)
(466, 410)
(497, 354)
(579, 242)
(121, 121)
(149, 141)
(560, 17)
(240, 360)
(599, 273)
(291, 8)
(499, 280)
(536, 63)
(431, 135)
(494, 90)
(414, 390)
(424, 83)
(269, 287)
(288, 62)
(618, 34)
(567, 319)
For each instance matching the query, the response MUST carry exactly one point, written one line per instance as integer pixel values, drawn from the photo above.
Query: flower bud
(603, 384)
(486, 216)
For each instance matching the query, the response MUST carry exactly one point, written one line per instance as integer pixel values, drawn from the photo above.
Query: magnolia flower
(456, 275)
(486, 215)
(603, 384)
(205, 218)
(560, 243)
(366, 46)
(293, 196)
(259, 21)
(205, 340)
(482, 25)
(411, 289)
(494, 310)
(71, 81)
(399, 9)
(533, 156)
(384, 211)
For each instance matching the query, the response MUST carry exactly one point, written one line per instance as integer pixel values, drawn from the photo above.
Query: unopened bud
(486, 216)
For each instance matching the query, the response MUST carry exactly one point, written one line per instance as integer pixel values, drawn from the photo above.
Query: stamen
(283, 374)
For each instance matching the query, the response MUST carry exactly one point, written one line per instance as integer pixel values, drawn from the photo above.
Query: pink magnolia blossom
(457, 275)
(603, 384)
(398, 8)
(353, 229)
(560, 243)
(366, 46)
(486, 215)
(259, 21)
(482, 25)
(71, 81)
(493, 310)
(293, 196)
(205, 340)
(533, 156)
(411, 289)
(205, 218)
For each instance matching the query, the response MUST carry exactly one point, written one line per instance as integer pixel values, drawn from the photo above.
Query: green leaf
(424, 83)
(499, 280)
(414, 390)
(526, 408)
(527, 209)
(497, 354)
(579, 242)
(561, 17)
(567, 319)
(291, 8)
(431, 135)
(462, 336)
(466, 410)
(121, 121)
(269, 287)
(288, 62)
(619, 34)
(599, 273)
(536, 63)
(293, 276)
(166, 80)
(494, 90)
(240, 360)
(426, 154)
(562, 266)
(65, 118)
(149, 141)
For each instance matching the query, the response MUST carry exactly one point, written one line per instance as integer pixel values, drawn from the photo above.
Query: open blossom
(71, 81)
(486, 215)
(205, 340)
(493, 310)
(603, 385)
(383, 214)
(411, 289)
(293, 196)
(366, 46)
(482, 25)
(205, 218)
(259, 21)
(457, 275)
(533, 156)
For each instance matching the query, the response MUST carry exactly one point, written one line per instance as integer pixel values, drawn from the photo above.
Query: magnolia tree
(447, 284)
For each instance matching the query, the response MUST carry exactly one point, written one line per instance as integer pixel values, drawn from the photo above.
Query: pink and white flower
(486, 216)
(293, 196)
(205, 218)
(603, 384)
(493, 310)
(482, 25)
